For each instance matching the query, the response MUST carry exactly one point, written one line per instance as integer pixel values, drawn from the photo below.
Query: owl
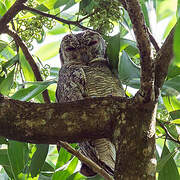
(86, 73)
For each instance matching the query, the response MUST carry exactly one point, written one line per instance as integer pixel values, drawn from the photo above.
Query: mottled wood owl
(85, 73)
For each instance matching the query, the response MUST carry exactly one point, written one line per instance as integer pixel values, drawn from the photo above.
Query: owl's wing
(102, 152)
(71, 84)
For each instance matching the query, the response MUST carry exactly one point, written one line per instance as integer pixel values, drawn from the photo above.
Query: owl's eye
(92, 43)
(70, 49)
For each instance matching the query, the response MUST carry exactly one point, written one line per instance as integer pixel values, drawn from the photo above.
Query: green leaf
(173, 71)
(171, 128)
(58, 29)
(173, 83)
(172, 146)
(41, 7)
(168, 168)
(3, 140)
(4, 160)
(127, 69)
(176, 45)
(48, 51)
(8, 52)
(63, 158)
(124, 43)
(43, 177)
(98, 177)
(175, 114)
(176, 121)
(86, 6)
(8, 171)
(76, 176)
(16, 157)
(171, 103)
(113, 48)
(9, 63)
(6, 84)
(38, 159)
(69, 4)
(27, 70)
(9, 3)
(145, 12)
(47, 169)
(2, 45)
(170, 26)
(178, 9)
(29, 93)
(48, 3)
(161, 163)
(165, 8)
(59, 3)
(63, 175)
(2, 9)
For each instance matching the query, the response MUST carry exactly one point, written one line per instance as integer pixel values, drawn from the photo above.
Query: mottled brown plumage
(85, 73)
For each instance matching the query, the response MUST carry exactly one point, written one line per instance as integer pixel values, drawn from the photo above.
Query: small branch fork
(153, 72)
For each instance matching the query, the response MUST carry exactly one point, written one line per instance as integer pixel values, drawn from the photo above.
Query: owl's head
(82, 47)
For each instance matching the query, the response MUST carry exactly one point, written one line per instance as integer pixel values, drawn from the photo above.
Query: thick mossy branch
(72, 122)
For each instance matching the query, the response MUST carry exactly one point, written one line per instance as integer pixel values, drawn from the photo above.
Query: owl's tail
(102, 152)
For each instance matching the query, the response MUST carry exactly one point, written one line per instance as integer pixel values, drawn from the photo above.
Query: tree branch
(30, 60)
(142, 38)
(19, 6)
(153, 41)
(95, 167)
(48, 123)
(163, 60)
(11, 13)
(76, 23)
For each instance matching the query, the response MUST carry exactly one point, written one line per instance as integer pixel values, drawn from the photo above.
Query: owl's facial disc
(82, 47)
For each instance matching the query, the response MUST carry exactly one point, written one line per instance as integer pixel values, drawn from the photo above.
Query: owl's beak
(85, 57)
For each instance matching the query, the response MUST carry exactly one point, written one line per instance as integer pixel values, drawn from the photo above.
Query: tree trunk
(134, 137)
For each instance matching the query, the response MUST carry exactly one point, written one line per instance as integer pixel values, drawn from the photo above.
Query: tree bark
(48, 123)
(135, 144)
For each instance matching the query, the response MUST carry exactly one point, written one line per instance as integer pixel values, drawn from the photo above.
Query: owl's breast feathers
(77, 81)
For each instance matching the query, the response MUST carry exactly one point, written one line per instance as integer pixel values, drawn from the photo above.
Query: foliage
(17, 80)
(103, 14)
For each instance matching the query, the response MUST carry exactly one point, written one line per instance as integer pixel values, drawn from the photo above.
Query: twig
(30, 59)
(89, 15)
(86, 160)
(167, 132)
(76, 23)
(153, 41)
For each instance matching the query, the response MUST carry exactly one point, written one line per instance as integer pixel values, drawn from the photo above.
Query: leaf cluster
(103, 14)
